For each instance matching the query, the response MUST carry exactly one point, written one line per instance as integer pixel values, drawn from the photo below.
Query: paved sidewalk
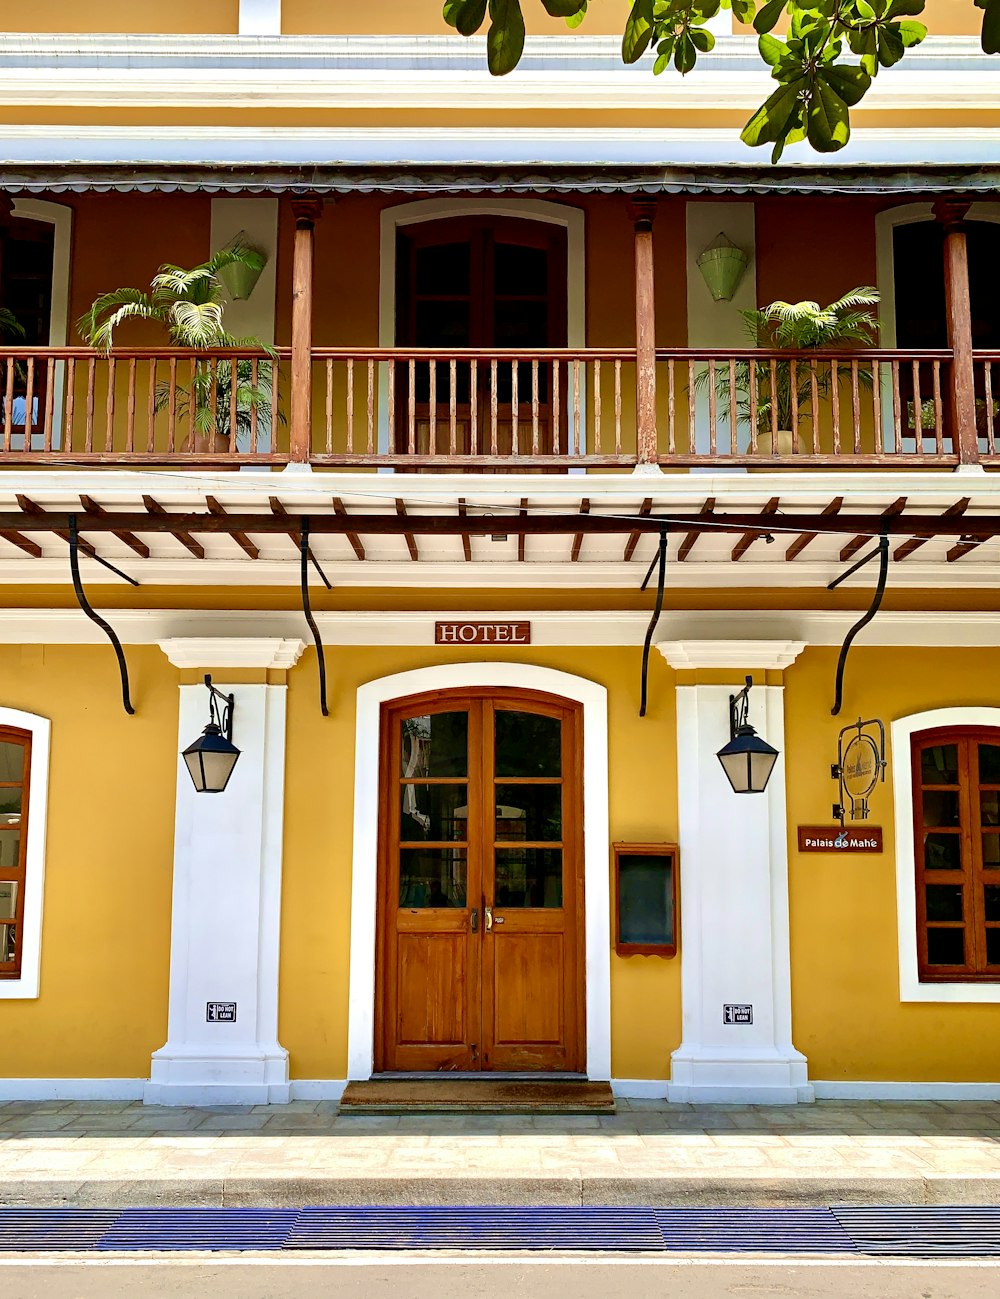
(114, 1154)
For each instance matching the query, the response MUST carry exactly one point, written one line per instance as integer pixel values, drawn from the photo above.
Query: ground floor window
(956, 811)
(15, 759)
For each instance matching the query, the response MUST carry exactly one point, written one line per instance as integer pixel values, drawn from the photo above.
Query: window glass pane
(645, 900)
(519, 270)
(8, 899)
(993, 947)
(945, 946)
(991, 851)
(432, 877)
(940, 807)
(944, 901)
(989, 764)
(433, 812)
(942, 852)
(10, 846)
(528, 877)
(441, 324)
(989, 806)
(10, 801)
(991, 902)
(521, 324)
(11, 761)
(8, 943)
(527, 744)
(436, 745)
(939, 765)
(529, 812)
(443, 268)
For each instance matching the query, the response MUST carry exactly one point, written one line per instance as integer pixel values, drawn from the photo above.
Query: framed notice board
(646, 914)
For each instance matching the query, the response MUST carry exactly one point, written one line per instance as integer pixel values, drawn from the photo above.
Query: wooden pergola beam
(129, 538)
(687, 545)
(463, 511)
(578, 539)
(411, 541)
(800, 543)
(748, 538)
(238, 534)
(520, 536)
(853, 546)
(185, 538)
(633, 539)
(908, 547)
(35, 511)
(352, 537)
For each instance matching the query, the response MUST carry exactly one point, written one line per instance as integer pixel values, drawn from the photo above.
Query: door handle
(475, 920)
(488, 915)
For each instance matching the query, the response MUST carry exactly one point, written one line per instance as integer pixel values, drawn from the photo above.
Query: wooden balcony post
(307, 212)
(642, 214)
(951, 214)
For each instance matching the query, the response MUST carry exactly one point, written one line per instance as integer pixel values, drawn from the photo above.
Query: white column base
(756, 1078)
(189, 1078)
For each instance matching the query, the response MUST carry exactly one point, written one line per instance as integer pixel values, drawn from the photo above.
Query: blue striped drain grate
(906, 1230)
(923, 1232)
(475, 1228)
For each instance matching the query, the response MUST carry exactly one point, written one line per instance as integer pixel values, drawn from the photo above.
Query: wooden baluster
(515, 411)
(50, 372)
(671, 408)
(877, 406)
(793, 388)
(474, 404)
(856, 407)
(130, 408)
(814, 400)
(493, 408)
(329, 407)
(8, 405)
(835, 404)
(712, 450)
(897, 407)
(556, 437)
(733, 423)
(70, 402)
(618, 406)
(192, 441)
(273, 421)
(938, 408)
(577, 431)
(990, 430)
(452, 407)
(434, 405)
(958, 309)
(774, 406)
(918, 413)
(234, 406)
(392, 407)
(752, 365)
(254, 381)
(213, 405)
(350, 410)
(534, 410)
(29, 403)
(371, 406)
(88, 435)
(411, 438)
(307, 212)
(171, 407)
(692, 411)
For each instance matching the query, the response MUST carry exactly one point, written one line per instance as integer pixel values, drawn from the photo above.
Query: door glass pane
(11, 762)
(433, 812)
(944, 901)
(945, 946)
(10, 801)
(444, 268)
(432, 877)
(529, 812)
(991, 902)
(8, 899)
(521, 324)
(441, 324)
(991, 851)
(993, 947)
(436, 745)
(528, 744)
(8, 942)
(939, 765)
(528, 877)
(10, 845)
(940, 807)
(942, 852)
(989, 764)
(989, 806)
(519, 270)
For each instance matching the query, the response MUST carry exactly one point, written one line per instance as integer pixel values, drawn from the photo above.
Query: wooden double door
(480, 952)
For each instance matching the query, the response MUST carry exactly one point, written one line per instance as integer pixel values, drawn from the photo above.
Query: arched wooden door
(480, 937)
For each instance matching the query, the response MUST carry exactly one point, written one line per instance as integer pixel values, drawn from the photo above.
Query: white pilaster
(734, 902)
(226, 914)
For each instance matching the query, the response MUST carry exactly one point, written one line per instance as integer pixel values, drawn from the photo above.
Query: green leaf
(703, 39)
(777, 112)
(768, 15)
(771, 49)
(638, 31)
(505, 39)
(574, 20)
(743, 10)
(991, 27)
(828, 126)
(685, 54)
(890, 46)
(563, 8)
(466, 16)
(850, 84)
(899, 7)
(912, 33)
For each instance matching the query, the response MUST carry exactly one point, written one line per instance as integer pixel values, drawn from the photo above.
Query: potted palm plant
(190, 305)
(783, 398)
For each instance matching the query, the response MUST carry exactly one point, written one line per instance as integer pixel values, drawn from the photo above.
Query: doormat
(476, 1096)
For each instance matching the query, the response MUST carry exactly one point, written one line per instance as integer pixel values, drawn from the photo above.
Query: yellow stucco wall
(122, 16)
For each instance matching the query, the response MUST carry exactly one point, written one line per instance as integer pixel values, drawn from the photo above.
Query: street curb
(557, 1191)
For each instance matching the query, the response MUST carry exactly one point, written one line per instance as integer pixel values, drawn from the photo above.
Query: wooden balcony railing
(493, 411)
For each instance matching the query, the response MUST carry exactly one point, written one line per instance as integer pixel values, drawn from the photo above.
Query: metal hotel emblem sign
(482, 633)
(860, 766)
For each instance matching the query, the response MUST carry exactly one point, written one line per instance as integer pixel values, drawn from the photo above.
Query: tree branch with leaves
(824, 63)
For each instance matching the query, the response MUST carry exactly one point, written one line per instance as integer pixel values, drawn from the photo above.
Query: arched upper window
(956, 822)
(15, 765)
(918, 284)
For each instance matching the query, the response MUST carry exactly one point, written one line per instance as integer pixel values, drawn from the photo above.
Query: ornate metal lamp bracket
(88, 609)
(881, 552)
(308, 557)
(660, 564)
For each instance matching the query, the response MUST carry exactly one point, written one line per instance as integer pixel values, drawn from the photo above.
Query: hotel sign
(482, 633)
(834, 838)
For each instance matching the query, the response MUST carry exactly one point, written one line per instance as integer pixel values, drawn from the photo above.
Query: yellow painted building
(481, 551)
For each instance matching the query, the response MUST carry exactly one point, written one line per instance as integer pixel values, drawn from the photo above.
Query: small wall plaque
(737, 1014)
(482, 633)
(220, 1012)
(833, 838)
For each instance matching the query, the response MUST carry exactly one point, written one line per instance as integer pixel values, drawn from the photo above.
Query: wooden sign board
(482, 633)
(832, 838)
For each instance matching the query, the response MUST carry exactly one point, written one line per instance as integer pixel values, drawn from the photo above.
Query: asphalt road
(482, 1277)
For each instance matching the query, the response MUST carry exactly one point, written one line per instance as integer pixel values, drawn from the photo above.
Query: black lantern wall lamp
(747, 760)
(212, 757)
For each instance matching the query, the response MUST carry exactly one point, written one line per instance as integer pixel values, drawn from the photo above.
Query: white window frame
(903, 730)
(26, 984)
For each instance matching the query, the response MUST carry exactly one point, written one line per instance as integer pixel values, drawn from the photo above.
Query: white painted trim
(650, 1089)
(316, 1089)
(441, 209)
(71, 1089)
(232, 651)
(734, 652)
(260, 18)
(459, 676)
(26, 985)
(841, 1090)
(902, 731)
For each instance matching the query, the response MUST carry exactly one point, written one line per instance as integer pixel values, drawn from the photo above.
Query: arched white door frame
(441, 209)
(60, 217)
(459, 676)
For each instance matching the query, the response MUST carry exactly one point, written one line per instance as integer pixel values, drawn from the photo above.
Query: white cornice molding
(232, 651)
(682, 655)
